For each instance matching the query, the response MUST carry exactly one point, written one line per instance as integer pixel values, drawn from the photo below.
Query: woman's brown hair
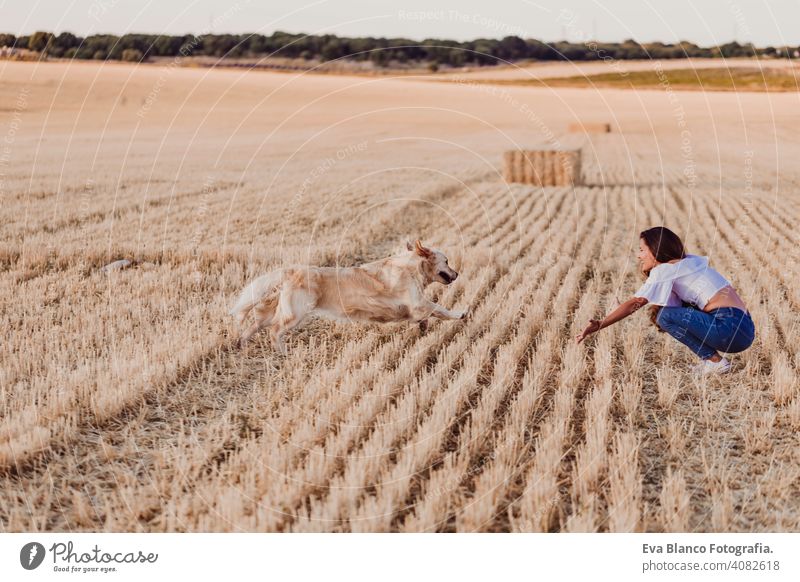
(665, 246)
(663, 243)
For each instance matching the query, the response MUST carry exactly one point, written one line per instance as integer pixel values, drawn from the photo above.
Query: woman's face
(646, 259)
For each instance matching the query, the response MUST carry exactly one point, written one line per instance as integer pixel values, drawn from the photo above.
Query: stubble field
(124, 405)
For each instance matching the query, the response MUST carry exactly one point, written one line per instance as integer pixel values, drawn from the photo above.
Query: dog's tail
(254, 293)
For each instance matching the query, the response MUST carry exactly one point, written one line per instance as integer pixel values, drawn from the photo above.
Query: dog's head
(433, 264)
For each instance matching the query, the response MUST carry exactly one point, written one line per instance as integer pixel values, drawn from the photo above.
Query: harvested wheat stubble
(543, 167)
(402, 467)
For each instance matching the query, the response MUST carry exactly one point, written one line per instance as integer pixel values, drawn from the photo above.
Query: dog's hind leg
(253, 330)
(264, 314)
(293, 307)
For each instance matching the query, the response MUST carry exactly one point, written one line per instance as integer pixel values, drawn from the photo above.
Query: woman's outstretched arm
(621, 312)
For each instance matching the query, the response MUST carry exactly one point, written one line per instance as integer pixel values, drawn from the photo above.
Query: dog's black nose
(455, 276)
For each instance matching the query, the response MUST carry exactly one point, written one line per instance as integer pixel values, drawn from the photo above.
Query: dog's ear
(421, 250)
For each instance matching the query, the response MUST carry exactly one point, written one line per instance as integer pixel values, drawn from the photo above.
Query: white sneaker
(708, 367)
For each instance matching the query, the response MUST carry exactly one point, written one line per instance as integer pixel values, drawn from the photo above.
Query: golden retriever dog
(387, 290)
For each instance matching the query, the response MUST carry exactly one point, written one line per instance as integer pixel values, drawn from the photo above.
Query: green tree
(511, 48)
(62, 43)
(332, 50)
(40, 41)
(132, 55)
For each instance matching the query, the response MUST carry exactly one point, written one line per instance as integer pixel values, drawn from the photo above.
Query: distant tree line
(381, 51)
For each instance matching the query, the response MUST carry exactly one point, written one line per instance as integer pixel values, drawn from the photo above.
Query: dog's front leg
(435, 310)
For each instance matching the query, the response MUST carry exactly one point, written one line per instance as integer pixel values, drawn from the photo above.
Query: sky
(705, 22)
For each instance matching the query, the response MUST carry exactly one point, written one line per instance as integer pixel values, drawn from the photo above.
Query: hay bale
(549, 177)
(528, 171)
(522, 166)
(508, 165)
(559, 172)
(543, 167)
(538, 166)
(589, 128)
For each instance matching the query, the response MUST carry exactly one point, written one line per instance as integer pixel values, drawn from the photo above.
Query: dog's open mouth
(447, 278)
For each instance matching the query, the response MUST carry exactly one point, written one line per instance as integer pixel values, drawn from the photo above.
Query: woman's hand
(593, 327)
(621, 312)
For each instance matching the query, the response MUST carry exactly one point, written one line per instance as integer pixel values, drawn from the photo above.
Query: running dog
(383, 291)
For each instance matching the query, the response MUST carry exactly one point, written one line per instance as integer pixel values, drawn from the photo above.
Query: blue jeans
(727, 329)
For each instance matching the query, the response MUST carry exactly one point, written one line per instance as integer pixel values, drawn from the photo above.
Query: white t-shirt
(690, 280)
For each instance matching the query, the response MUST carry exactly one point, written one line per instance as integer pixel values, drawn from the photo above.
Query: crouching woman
(695, 304)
